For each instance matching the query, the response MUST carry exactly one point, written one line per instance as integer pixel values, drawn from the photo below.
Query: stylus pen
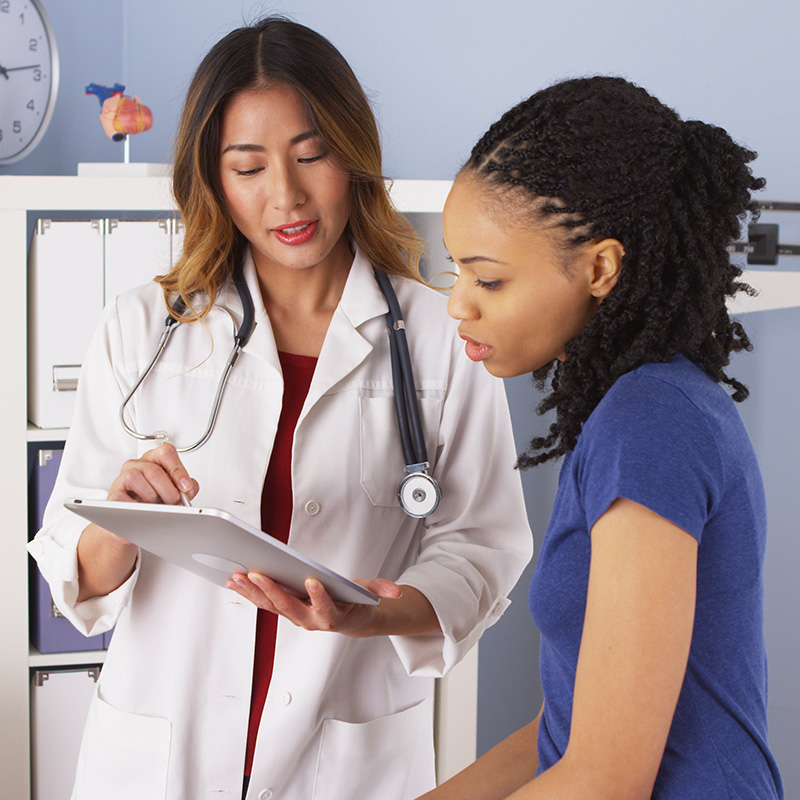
(185, 500)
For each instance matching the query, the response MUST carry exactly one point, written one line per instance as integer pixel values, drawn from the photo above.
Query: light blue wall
(439, 73)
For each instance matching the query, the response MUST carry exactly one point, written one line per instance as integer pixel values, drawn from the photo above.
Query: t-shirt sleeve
(650, 444)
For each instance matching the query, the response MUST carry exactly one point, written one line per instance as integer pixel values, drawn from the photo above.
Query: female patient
(590, 226)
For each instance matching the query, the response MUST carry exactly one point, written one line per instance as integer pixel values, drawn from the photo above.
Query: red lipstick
(294, 233)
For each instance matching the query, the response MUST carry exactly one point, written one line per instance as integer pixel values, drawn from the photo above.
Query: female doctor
(277, 173)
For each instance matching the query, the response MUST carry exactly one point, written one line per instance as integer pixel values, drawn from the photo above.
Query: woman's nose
(459, 305)
(285, 190)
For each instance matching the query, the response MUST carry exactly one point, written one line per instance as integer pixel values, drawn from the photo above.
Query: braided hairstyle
(601, 158)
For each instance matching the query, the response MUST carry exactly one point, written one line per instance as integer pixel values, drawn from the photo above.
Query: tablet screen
(214, 544)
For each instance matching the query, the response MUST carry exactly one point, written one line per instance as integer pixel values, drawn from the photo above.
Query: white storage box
(59, 705)
(65, 300)
(75, 268)
(135, 252)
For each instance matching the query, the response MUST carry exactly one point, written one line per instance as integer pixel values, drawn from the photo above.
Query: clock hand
(5, 70)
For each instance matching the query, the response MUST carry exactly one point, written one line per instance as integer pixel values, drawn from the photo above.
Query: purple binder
(50, 632)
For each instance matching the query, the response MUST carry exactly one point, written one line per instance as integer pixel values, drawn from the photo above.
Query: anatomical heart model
(120, 115)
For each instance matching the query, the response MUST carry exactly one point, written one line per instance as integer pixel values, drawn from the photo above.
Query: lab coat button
(265, 794)
(286, 698)
(312, 508)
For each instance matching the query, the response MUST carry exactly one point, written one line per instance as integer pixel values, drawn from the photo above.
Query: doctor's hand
(106, 560)
(398, 611)
(156, 477)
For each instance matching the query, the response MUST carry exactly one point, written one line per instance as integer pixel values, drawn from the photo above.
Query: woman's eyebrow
(257, 148)
(301, 137)
(245, 148)
(475, 259)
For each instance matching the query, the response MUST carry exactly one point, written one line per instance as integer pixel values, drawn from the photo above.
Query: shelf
(46, 434)
(38, 660)
(44, 193)
(67, 193)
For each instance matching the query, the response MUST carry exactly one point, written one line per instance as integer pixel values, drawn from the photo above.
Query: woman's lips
(475, 350)
(293, 233)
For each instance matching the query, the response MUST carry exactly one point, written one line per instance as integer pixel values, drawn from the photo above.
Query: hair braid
(604, 159)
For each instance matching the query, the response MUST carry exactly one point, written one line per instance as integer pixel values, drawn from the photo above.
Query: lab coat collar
(344, 348)
(262, 342)
(362, 298)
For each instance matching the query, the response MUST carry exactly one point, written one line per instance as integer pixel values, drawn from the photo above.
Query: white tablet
(214, 544)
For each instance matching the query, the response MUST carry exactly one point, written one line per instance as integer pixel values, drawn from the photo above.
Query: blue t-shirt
(669, 438)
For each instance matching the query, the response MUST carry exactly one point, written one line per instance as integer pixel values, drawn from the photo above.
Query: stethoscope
(418, 492)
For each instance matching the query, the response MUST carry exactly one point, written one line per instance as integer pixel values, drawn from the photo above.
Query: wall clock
(28, 77)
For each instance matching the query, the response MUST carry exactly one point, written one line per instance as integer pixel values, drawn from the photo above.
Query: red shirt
(276, 519)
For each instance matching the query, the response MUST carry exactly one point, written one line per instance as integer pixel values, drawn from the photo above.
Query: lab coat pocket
(123, 755)
(390, 758)
(382, 464)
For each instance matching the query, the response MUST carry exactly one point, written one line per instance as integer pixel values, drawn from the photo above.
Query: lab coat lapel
(262, 343)
(344, 347)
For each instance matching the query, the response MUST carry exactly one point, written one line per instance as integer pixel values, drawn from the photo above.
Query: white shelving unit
(456, 695)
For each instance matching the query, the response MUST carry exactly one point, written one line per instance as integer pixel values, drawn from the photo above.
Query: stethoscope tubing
(171, 323)
(162, 343)
(418, 492)
(400, 402)
(409, 419)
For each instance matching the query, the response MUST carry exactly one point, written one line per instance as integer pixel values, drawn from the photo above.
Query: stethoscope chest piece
(419, 494)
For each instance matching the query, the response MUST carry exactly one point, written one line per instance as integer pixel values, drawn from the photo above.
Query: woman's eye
(488, 285)
(312, 159)
(246, 172)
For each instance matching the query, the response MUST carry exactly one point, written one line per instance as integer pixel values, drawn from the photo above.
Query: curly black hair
(601, 158)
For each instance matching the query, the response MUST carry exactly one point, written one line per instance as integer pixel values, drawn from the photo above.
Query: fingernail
(186, 485)
(240, 580)
(313, 586)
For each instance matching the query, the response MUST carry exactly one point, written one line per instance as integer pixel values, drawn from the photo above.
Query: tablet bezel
(180, 534)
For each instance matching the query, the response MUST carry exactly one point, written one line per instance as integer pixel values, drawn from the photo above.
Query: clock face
(28, 77)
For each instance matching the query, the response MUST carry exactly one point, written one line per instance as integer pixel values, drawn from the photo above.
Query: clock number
(5, 6)
(1, 134)
(29, 105)
(33, 45)
(17, 126)
(37, 75)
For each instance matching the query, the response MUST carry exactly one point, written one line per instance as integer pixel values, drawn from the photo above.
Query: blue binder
(50, 632)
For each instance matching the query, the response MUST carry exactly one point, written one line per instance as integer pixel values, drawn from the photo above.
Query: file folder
(50, 631)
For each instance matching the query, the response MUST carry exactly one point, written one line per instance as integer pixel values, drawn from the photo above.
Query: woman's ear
(606, 266)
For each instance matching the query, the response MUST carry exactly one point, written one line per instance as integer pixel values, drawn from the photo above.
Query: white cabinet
(22, 200)
(44, 197)
(75, 268)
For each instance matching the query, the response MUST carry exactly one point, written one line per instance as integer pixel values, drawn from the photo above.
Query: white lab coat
(344, 718)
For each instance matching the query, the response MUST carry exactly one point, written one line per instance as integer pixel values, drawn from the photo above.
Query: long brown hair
(278, 51)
